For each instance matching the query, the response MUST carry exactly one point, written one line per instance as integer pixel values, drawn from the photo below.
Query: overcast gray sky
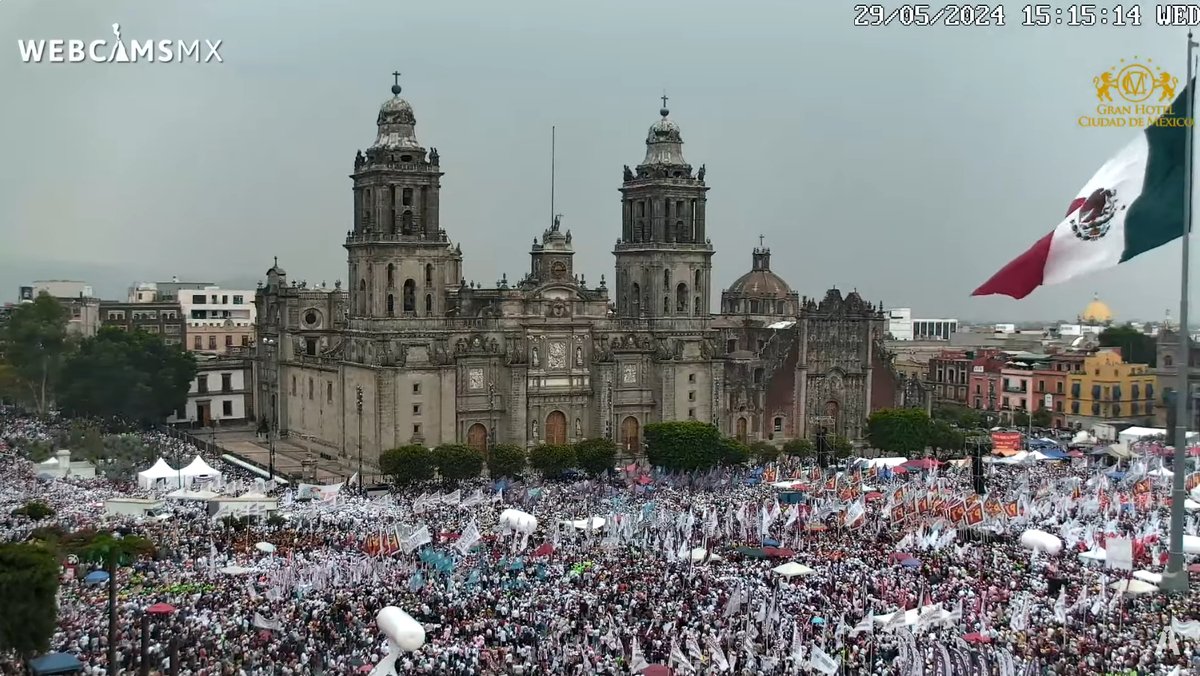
(909, 163)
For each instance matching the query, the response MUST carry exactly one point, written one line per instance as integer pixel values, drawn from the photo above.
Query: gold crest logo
(1132, 94)
(1135, 82)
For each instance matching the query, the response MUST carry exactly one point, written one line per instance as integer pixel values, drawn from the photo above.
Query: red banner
(1006, 441)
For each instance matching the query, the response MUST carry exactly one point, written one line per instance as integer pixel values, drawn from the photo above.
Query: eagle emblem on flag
(1091, 215)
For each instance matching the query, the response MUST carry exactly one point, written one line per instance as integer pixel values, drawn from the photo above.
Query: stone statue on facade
(535, 360)
(461, 346)
(359, 160)
(628, 172)
(578, 429)
(493, 346)
(706, 350)
(700, 174)
(579, 356)
(434, 158)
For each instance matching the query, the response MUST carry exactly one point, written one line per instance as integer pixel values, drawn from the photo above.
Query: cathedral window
(428, 305)
(329, 392)
(362, 297)
(410, 296)
(392, 210)
(691, 377)
(681, 299)
(428, 274)
(778, 423)
(696, 283)
(696, 305)
(666, 279)
(406, 222)
(635, 300)
(310, 346)
(391, 276)
(753, 307)
(681, 233)
(758, 376)
(406, 197)
(310, 389)
(731, 346)
(666, 305)
(391, 305)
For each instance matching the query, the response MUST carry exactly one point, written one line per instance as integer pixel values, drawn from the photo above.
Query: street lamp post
(358, 406)
(273, 345)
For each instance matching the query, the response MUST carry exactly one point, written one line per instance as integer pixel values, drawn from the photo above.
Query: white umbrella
(265, 547)
(236, 570)
(1147, 576)
(1133, 587)
(792, 569)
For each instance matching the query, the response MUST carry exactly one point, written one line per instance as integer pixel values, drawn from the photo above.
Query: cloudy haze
(907, 163)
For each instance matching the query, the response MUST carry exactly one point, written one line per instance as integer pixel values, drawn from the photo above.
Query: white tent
(199, 469)
(792, 569)
(159, 475)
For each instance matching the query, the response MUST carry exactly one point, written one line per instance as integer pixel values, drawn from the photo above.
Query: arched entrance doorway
(832, 408)
(741, 430)
(631, 435)
(556, 428)
(477, 437)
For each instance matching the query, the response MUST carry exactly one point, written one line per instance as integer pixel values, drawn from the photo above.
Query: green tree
(733, 452)
(1042, 418)
(34, 344)
(456, 462)
(127, 374)
(112, 551)
(1136, 346)
(596, 456)
(34, 510)
(943, 437)
(684, 445)
(28, 587)
(903, 431)
(960, 416)
(552, 459)
(506, 460)
(764, 452)
(798, 448)
(841, 446)
(406, 465)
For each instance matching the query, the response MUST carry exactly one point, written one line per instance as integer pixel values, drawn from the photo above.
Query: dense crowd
(682, 572)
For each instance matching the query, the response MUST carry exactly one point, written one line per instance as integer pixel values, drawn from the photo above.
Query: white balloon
(401, 628)
(1039, 540)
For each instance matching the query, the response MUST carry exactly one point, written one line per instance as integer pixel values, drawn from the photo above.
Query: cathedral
(408, 352)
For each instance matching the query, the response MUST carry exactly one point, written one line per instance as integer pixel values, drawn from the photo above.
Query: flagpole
(1176, 579)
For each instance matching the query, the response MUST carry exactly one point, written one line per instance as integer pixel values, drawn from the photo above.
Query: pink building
(985, 386)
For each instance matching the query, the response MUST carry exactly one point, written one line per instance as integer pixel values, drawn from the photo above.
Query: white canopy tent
(198, 469)
(160, 475)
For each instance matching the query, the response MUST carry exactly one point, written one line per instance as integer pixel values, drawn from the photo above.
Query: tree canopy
(34, 344)
(127, 374)
(684, 445)
(764, 452)
(1136, 346)
(798, 448)
(552, 459)
(456, 462)
(943, 437)
(506, 460)
(408, 464)
(28, 587)
(903, 431)
(596, 456)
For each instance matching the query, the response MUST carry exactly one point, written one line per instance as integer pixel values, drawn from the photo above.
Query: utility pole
(358, 405)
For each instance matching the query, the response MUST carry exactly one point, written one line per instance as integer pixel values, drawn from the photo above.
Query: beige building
(410, 352)
(218, 319)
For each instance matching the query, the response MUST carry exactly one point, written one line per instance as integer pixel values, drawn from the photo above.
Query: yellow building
(1107, 388)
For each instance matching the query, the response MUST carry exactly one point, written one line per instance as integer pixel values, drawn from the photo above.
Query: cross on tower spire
(760, 241)
(663, 111)
(396, 83)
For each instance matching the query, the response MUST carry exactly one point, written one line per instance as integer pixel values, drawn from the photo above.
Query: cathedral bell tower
(664, 260)
(401, 263)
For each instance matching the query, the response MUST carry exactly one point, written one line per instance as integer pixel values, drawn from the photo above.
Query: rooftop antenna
(552, 142)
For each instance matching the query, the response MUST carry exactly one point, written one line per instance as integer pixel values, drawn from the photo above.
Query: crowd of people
(900, 573)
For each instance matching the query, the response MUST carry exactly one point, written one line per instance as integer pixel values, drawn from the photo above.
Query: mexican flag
(1132, 205)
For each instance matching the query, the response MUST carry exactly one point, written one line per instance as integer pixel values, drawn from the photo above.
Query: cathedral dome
(1096, 312)
(760, 281)
(397, 123)
(664, 142)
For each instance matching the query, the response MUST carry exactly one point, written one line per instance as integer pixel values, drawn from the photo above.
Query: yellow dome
(1096, 312)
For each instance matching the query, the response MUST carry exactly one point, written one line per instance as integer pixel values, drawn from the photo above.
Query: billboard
(1006, 441)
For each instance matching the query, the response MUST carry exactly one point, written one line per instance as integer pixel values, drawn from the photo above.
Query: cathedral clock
(558, 270)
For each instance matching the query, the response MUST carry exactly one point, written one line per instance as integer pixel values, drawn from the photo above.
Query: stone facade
(410, 352)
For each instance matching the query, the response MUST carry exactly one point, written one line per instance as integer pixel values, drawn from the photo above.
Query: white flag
(470, 535)
(822, 662)
(419, 538)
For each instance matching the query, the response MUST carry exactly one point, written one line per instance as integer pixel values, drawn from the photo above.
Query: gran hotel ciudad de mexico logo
(1133, 94)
